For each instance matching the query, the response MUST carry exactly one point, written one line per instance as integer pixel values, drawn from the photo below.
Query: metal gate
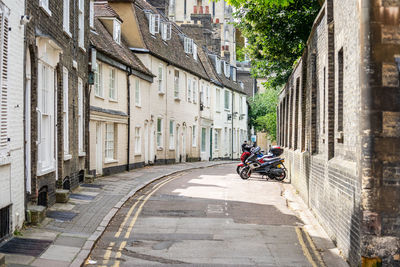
(4, 222)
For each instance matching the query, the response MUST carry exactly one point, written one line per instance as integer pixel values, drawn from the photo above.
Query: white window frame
(161, 78)
(207, 96)
(65, 114)
(4, 89)
(171, 134)
(234, 74)
(194, 91)
(81, 24)
(188, 45)
(138, 141)
(98, 81)
(44, 4)
(66, 17)
(159, 128)
(112, 89)
(176, 84)
(202, 94)
(91, 14)
(217, 99)
(166, 31)
(194, 136)
(81, 121)
(227, 100)
(154, 23)
(138, 95)
(216, 140)
(109, 140)
(46, 118)
(117, 31)
(189, 92)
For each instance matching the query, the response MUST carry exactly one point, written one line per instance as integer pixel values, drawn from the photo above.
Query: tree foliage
(263, 111)
(277, 32)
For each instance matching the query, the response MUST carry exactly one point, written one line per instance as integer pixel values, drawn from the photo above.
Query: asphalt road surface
(206, 217)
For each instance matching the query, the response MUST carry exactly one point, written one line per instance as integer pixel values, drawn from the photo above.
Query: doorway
(99, 150)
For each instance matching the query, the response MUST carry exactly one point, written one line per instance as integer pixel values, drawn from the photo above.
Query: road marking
(316, 253)
(107, 254)
(304, 247)
(127, 217)
(137, 213)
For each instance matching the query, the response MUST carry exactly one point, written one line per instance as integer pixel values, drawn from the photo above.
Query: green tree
(263, 111)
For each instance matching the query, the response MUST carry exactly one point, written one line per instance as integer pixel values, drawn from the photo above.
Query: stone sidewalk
(89, 211)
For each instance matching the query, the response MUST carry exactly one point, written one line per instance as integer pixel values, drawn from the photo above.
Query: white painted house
(12, 182)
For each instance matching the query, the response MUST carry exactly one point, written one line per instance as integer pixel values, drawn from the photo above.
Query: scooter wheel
(238, 169)
(245, 173)
(282, 177)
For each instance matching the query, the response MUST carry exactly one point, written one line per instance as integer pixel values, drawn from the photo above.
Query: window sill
(82, 154)
(172, 148)
(177, 99)
(113, 100)
(5, 160)
(45, 171)
(45, 9)
(160, 148)
(109, 161)
(82, 48)
(218, 111)
(227, 110)
(98, 96)
(66, 32)
(67, 157)
(138, 154)
(138, 105)
(161, 93)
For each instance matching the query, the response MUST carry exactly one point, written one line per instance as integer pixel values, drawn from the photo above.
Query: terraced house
(56, 92)
(121, 87)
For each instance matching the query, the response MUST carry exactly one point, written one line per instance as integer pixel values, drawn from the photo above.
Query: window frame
(65, 113)
(81, 121)
(138, 140)
(160, 77)
(98, 81)
(81, 24)
(117, 31)
(138, 95)
(194, 136)
(112, 88)
(67, 17)
(109, 143)
(159, 135)
(171, 134)
(176, 84)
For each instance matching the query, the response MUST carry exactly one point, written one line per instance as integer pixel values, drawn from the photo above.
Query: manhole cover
(25, 246)
(92, 185)
(61, 215)
(81, 197)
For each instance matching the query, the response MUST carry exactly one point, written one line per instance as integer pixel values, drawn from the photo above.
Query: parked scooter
(270, 168)
(260, 157)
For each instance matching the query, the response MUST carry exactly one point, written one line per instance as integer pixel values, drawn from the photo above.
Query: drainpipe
(232, 128)
(128, 74)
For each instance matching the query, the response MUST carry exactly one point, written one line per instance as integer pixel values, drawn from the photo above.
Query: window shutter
(4, 85)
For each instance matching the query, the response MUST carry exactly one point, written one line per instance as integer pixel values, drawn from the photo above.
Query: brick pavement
(95, 207)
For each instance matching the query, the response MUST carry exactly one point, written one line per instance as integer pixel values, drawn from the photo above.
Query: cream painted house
(119, 80)
(170, 113)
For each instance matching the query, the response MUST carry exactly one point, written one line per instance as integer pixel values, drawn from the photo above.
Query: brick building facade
(338, 119)
(57, 44)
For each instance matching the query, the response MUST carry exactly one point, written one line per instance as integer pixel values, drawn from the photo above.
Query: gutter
(128, 74)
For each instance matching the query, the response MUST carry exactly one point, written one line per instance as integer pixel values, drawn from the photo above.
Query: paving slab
(64, 253)
(52, 263)
(18, 259)
(70, 241)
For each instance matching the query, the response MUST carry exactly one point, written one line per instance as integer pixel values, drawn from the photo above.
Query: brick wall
(42, 24)
(348, 171)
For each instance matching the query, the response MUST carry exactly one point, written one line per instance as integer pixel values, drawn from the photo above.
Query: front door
(146, 143)
(152, 148)
(99, 150)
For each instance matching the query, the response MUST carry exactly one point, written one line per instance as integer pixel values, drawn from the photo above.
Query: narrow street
(206, 217)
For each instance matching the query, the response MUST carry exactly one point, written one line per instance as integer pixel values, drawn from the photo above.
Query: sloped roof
(104, 10)
(104, 42)
(171, 51)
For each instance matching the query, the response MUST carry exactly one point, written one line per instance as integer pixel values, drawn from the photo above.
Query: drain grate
(92, 185)
(26, 246)
(81, 197)
(61, 215)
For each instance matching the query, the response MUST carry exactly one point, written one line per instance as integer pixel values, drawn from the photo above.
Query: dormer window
(195, 51)
(166, 31)
(154, 23)
(188, 43)
(217, 65)
(234, 74)
(117, 31)
(227, 69)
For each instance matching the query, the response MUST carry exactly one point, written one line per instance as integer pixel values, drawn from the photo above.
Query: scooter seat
(270, 159)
